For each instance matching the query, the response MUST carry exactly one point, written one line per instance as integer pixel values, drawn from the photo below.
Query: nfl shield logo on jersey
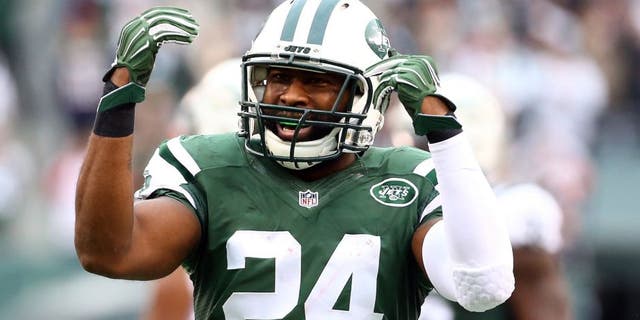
(307, 199)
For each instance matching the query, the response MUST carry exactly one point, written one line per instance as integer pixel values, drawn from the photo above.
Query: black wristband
(441, 135)
(444, 134)
(115, 122)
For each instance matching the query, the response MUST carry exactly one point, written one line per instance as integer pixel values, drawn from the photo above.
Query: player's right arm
(114, 237)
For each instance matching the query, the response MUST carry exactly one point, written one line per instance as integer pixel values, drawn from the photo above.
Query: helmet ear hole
(359, 88)
(258, 75)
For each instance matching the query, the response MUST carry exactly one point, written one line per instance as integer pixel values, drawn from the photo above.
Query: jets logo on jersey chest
(394, 192)
(308, 199)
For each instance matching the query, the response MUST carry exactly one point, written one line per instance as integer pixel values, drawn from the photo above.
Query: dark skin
(313, 91)
(540, 291)
(172, 298)
(149, 239)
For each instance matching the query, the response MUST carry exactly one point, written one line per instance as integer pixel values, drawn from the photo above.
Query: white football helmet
(326, 36)
(482, 118)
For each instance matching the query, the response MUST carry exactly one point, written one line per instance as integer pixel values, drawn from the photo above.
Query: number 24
(356, 257)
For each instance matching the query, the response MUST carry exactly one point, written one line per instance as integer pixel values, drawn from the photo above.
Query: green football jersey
(277, 247)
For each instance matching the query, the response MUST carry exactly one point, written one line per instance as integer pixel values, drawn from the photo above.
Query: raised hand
(413, 77)
(138, 44)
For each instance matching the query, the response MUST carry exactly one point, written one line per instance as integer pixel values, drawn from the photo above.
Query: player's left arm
(467, 255)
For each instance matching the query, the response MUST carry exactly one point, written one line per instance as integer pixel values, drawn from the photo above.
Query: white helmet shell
(343, 31)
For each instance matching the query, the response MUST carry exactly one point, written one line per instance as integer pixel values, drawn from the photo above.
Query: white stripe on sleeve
(183, 156)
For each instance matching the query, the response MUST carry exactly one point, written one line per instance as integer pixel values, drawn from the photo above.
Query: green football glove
(139, 42)
(413, 77)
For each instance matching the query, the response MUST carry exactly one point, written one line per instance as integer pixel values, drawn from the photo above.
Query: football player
(532, 215)
(296, 216)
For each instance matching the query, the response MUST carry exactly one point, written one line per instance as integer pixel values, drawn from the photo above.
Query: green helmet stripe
(320, 21)
(289, 29)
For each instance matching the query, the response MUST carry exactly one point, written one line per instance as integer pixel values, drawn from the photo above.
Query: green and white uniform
(276, 247)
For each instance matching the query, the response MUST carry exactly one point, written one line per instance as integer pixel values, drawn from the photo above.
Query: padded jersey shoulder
(177, 162)
(400, 160)
(215, 151)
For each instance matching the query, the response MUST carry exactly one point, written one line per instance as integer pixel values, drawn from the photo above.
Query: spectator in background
(80, 53)
(16, 163)
(83, 60)
(520, 49)
(556, 131)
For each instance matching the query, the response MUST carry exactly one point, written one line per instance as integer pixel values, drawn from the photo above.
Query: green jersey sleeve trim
(433, 206)
(178, 196)
(168, 156)
(161, 174)
(182, 156)
(426, 169)
(174, 153)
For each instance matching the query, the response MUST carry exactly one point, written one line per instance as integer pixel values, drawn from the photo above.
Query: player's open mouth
(287, 129)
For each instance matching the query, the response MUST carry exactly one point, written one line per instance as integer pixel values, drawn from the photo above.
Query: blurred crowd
(567, 73)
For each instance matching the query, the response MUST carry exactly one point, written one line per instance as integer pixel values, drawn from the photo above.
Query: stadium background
(566, 71)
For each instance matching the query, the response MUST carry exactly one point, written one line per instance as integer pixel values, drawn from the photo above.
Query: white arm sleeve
(467, 256)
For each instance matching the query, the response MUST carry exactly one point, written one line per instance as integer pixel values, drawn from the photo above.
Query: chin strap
(324, 146)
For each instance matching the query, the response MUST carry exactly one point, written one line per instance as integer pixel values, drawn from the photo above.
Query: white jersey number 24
(356, 257)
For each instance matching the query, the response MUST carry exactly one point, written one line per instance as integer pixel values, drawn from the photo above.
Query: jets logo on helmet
(327, 36)
(377, 38)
